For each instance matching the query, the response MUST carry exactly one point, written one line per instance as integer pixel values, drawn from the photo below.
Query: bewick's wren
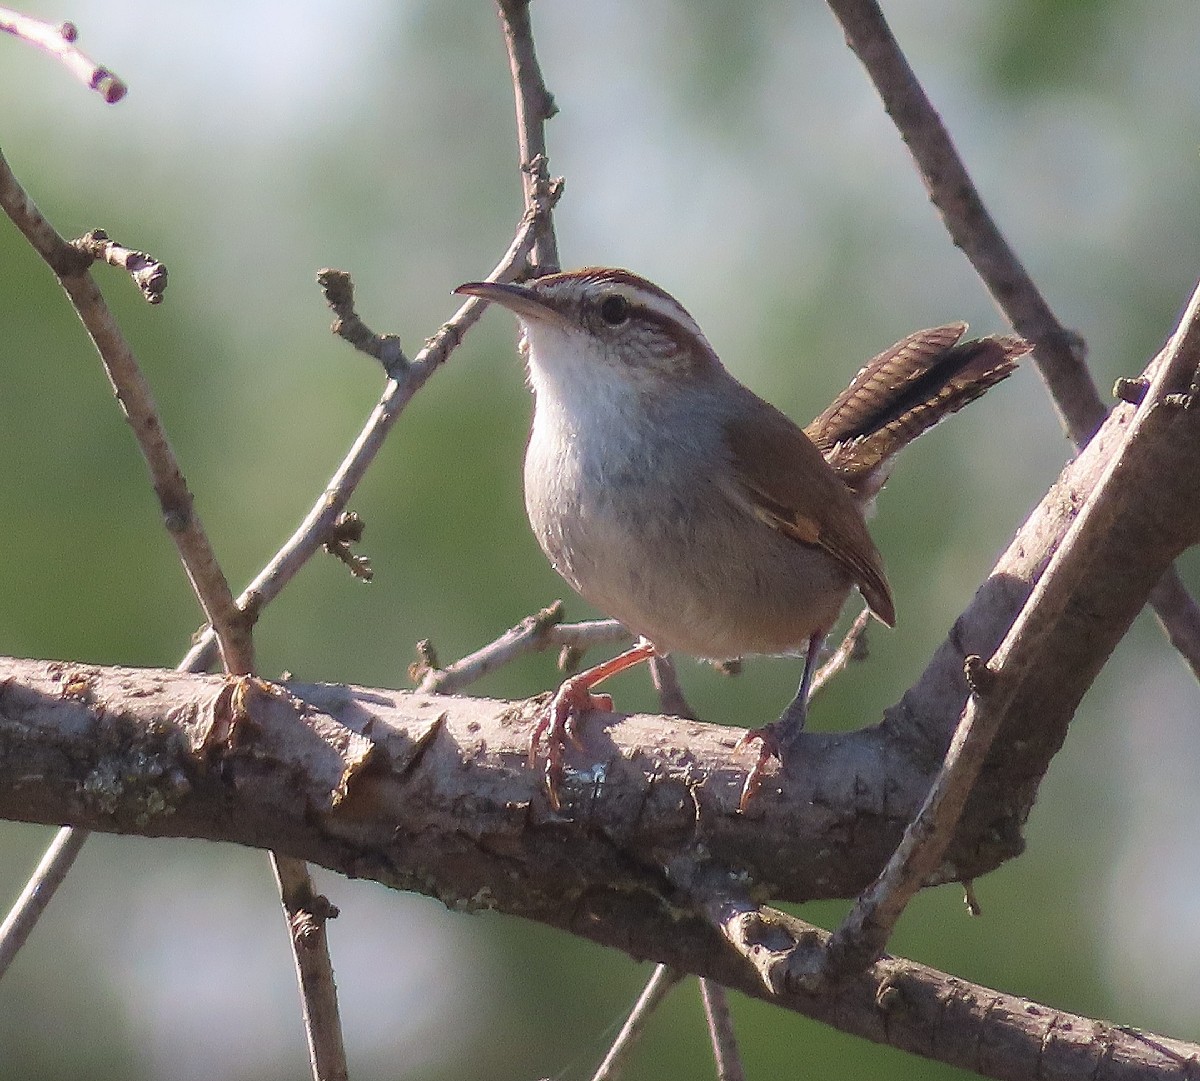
(677, 501)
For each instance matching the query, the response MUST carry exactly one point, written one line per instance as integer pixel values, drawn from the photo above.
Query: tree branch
(994, 685)
(430, 793)
(1058, 352)
(322, 518)
(59, 42)
(70, 263)
(534, 105)
(662, 981)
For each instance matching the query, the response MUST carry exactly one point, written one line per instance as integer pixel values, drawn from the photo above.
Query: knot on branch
(347, 530)
(307, 922)
(981, 678)
(148, 274)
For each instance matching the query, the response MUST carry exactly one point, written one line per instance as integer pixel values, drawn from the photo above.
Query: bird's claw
(559, 721)
(772, 746)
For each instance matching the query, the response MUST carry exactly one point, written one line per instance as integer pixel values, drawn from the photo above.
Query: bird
(674, 499)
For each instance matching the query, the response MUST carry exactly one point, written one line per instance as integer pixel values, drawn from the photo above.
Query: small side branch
(534, 105)
(306, 912)
(528, 636)
(339, 295)
(148, 274)
(663, 979)
(59, 42)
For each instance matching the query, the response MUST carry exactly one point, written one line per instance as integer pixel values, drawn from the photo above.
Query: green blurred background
(736, 155)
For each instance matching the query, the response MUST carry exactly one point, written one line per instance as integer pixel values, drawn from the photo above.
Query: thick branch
(430, 793)
(1020, 657)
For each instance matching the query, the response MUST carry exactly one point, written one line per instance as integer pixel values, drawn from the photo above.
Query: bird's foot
(771, 746)
(559, 722)
(777, 740)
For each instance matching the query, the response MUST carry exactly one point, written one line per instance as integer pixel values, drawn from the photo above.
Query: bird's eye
(614, 309)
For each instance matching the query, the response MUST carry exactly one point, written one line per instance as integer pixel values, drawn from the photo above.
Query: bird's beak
(518, 299)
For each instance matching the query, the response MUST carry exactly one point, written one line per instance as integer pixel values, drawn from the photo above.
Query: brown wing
(787, 484)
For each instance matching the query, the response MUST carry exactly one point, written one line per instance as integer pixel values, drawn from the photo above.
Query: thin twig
(659, 985)
(148, 274)
(720, 1027)
(533, 634)
(24, 914)
(232, 627)
(864, 933)
(1179, 616)
(59, 42)
(528, 636)
(577, 638)
(666, 683)
(69, 264)
(850, 648)
(1058, 352)
(347, 531)
(534, 105)
(313, 531)
(306, 912)
(339, 295)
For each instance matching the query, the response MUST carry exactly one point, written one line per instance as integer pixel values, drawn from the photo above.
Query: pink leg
(562, 714)
(777, 737)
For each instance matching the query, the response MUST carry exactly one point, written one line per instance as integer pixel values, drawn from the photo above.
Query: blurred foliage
(736, 155)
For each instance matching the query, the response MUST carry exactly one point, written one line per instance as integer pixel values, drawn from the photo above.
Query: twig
(528, 636)
(866, 929)
(534, 105)
(69, 264)
(339, 295)
(148, 274)
(848, 650)
(1058, 352)
(231, 625)
(1179, 616)
(346, 532)
(23, 916)
(59, 42)
(720, 1027)
(661, 981)
(666, 683)
(577, 638)
(306, 912)
(316, 527)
